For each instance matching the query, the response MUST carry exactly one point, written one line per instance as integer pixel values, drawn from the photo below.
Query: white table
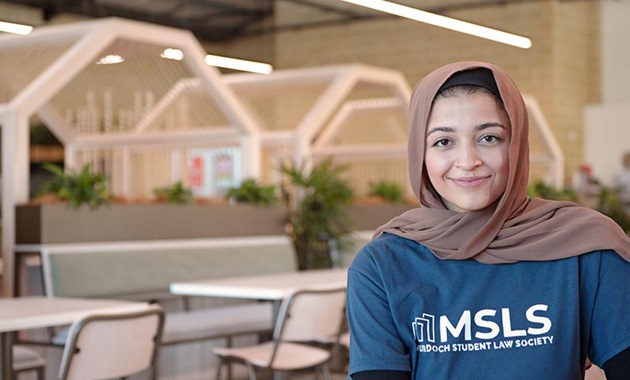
(271, 287)
(268, 287)
(24, 313)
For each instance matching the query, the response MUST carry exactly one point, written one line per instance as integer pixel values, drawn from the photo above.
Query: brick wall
(561, 69)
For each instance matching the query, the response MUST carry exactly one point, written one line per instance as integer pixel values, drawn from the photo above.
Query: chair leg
(228, 343)
(251, 371)
(153, 372)
(41, 373)
(219, 368)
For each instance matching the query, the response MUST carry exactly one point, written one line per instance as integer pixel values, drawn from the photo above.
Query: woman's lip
(469, 181)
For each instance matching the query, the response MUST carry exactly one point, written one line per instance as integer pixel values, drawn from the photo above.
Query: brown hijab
(519, 228)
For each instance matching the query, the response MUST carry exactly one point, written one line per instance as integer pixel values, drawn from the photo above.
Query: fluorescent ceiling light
(445, 22)
(239, 64)
(228, 63)
(10, 27)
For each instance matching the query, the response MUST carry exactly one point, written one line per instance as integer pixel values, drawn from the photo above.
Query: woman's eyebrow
(441, 129)
(483, 126)
(479, 127)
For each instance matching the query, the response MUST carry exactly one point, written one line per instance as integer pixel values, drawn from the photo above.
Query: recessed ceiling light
(110, 60)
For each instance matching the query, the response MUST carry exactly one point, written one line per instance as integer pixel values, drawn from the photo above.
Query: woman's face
(466, 155)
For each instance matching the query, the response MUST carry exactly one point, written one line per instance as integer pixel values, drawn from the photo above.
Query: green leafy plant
(611, 205)
(250, 191)
(542, 190)
(388, 191)
(176, 193)
(77, 188)
(608, 201)
(316, 216)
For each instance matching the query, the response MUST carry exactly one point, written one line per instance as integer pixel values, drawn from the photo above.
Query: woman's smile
(469, 182)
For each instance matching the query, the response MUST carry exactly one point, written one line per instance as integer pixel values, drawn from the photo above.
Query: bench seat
(143, 270)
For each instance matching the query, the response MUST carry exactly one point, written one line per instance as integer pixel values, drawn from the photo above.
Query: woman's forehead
(482, 101)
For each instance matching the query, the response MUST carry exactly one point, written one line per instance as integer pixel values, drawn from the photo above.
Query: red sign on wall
(195, 172)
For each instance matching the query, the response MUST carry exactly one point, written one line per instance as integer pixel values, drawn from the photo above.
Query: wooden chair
(112, 345)
(307, 328)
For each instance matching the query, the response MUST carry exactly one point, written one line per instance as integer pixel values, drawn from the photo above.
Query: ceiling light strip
(10, 27)
(445, 22)
(225, 62)
(239, 64)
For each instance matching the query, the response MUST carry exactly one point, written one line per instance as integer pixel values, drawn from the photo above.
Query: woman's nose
(467, 157)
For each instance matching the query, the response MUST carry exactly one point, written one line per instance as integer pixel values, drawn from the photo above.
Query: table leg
(276, 312)
(6, 359)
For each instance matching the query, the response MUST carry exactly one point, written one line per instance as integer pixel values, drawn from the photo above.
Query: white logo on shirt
(485, 325)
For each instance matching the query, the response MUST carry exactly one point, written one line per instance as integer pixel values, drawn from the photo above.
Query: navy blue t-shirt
(442, 319)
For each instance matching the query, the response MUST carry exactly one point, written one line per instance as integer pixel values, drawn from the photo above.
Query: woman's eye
(490, 139)
(441, 142)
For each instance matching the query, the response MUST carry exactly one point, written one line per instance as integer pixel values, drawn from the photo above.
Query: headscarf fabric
(518, 228)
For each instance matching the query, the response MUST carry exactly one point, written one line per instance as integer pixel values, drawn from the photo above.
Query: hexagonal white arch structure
(49, 71)
(302, 114)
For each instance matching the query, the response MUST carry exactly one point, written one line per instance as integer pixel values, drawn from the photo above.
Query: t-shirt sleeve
(376, 343)
(610, 329)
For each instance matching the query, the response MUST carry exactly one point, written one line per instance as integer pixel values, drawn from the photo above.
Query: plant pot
(55, 223)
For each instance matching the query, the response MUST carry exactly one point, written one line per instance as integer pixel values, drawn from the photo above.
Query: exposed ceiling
(225, 20)
(212, 20)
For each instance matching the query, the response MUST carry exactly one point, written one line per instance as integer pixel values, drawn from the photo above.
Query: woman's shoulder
(387, 248)
(604, 257)
(389, 243)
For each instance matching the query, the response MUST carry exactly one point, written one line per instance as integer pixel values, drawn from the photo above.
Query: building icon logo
(424, 328)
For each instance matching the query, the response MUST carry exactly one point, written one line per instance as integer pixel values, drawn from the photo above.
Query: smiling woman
(467, 148)
(482, 281)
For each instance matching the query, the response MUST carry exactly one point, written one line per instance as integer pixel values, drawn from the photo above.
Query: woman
(482, 282)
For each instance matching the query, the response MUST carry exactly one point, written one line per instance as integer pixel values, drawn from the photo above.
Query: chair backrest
(111, 345)
(312, 316)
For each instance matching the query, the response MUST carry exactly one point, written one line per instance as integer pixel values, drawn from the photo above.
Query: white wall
(607, 125)
(615, 58)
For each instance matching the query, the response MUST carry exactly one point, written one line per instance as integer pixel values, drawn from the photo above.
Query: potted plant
(77, 188)
(252, 192)
(387, 191)
(316, 217)
(172, 215)
(176, 193)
